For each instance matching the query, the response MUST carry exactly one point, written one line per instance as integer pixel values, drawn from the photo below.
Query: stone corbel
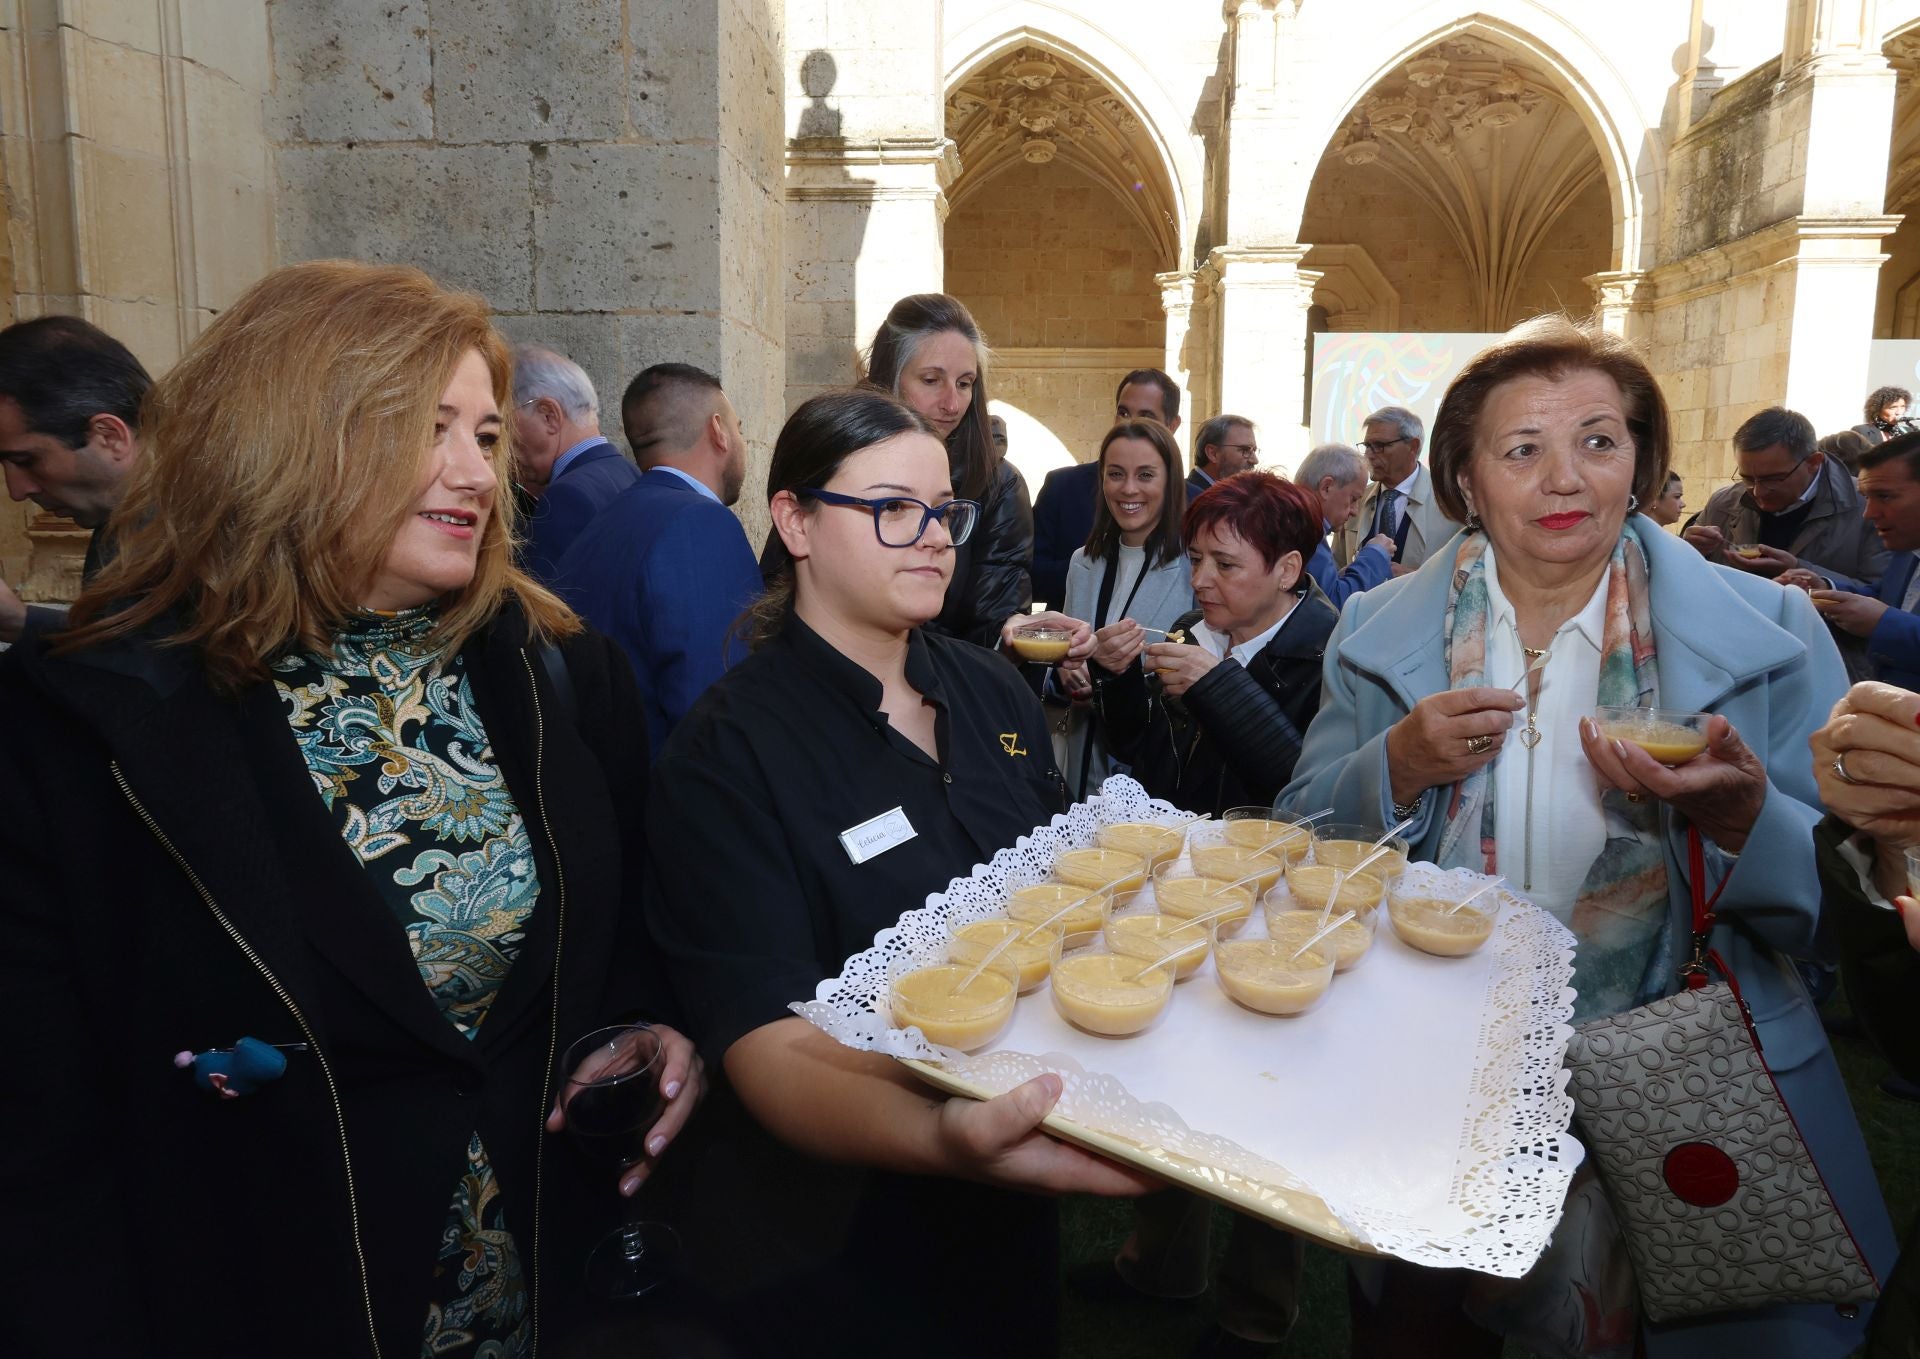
(1617, 297)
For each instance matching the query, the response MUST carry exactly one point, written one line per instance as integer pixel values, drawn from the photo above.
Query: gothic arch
(1053, 28)
(1592, 88)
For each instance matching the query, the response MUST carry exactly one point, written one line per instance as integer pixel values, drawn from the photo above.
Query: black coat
(1233, 738)
(169, 881)
(992, 571)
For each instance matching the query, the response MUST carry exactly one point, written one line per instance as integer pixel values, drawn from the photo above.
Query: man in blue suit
(1889, 616)
(665, 570)
(561, 459)
(1338, 474)
(1063, 511)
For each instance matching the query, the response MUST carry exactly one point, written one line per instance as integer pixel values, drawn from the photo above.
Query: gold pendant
(1530, 737)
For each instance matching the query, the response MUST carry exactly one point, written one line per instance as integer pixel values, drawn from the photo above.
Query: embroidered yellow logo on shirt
(1010, 742)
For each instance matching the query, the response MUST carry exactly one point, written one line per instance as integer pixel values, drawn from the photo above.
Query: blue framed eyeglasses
(901, 521)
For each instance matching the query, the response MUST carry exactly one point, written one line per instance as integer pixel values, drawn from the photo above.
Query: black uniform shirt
(758, 899)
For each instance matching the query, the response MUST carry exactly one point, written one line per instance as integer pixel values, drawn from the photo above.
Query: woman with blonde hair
(302, 797)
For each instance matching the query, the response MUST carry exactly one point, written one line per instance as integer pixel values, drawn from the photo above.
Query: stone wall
(139, 190)
(606, 175)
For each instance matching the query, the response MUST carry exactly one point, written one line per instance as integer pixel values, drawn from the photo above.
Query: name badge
(870, 839)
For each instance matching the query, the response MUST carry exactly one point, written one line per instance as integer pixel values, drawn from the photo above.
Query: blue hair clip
(239, 1070)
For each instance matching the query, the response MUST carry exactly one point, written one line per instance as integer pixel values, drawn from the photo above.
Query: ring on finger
(1479, 745)
(1636, 797)
(1840, 769)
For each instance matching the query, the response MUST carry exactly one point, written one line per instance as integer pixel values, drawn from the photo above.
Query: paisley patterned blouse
(388, 730)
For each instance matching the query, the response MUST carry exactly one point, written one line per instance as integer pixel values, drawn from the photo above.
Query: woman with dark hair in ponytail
(930, 354)
(852, 715)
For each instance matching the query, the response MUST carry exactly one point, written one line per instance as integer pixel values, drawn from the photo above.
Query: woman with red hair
(1233, 737)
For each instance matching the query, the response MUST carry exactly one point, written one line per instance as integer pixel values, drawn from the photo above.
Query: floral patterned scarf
(1620, 914)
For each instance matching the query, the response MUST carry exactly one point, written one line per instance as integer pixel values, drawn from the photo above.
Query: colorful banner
(1355, 374)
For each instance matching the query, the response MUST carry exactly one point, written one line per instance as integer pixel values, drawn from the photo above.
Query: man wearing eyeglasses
(1223, 446)
(1789, 508)
(1400, 503)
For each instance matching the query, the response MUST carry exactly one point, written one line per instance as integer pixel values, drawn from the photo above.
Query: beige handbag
(1720, 1201)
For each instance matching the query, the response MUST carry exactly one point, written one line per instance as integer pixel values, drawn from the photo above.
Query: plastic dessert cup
(1260, 974)
(1345, 846)
(1670, 737)
(1031, 953)
(1260, 828)
(1430, 925)
(1121, 873)
(1180, 892)
(1109, 994)
(1155, 844)
(1152, 938)
(1309, 886)
(1215, 855)
(1746, 551)
(1349, 942)
(928, 998)
(1034, 906)
(1041, 643)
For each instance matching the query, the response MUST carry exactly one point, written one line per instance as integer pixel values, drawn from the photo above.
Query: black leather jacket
(992, 570)
(1233, 739)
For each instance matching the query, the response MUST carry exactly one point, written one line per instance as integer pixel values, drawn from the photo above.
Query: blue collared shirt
(690, 479)
(560, 463)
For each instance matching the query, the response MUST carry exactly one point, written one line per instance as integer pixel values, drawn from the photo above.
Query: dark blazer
(1063, 515)
(1370, 567)
(173, 883)
(1232, 739)
(1893, 647)
(1198, 481)
(595, 476)
(1877, 964)
(664, 571)
(40, 617)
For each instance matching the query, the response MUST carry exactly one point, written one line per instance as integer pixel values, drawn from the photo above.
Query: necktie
(1390, 510)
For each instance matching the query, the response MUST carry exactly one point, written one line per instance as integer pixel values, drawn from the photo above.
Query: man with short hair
(1885, 617)
(70, 399)
(1223, 446)
(1789, 507)
(560, 458)
(1063, 511)
(665, 570)
(1400, 503)
(1338, 474)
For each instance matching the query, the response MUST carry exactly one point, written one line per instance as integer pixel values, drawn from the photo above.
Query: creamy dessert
(932, 1000)
(1188, 895)
(1264, 833)
(1349, 942)
(1155, 844)
(1232, 863)
(1340, 853)
(1261, 976)
(1155, 938)
(1121, 872)
(1309, 886)
(1432, 926)
(1048, 646)
(1668, 742)
(1085, 909)
(1109, 993)
(1031, 950)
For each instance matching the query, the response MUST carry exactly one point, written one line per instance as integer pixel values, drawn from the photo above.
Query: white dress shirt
(1216, 642)
(1568, 827)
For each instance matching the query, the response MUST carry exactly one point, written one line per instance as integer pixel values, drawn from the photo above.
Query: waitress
(854, 763)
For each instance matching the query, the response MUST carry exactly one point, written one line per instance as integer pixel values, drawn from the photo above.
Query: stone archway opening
(1060, 220)
(1896, 313)
(1464, 192)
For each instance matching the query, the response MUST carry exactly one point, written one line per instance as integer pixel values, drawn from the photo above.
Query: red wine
(610, 1123)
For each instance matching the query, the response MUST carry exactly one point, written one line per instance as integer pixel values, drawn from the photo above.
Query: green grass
(1092, 1230)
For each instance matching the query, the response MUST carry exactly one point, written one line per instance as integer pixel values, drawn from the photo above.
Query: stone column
(867, 168)
(1837, 92)
(1264, 297)
(1176, 299)
(1618, 305)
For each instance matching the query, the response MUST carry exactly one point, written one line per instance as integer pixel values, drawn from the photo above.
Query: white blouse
(1567, 829)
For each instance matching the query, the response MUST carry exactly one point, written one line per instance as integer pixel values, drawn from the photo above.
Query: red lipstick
(1564, 520)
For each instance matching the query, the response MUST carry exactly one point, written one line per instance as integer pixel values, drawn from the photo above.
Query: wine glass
(612, 1099)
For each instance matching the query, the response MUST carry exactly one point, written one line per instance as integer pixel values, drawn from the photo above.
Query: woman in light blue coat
(1541, 446)
(1131, 576)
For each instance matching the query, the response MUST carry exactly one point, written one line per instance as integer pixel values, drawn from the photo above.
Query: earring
(1473, 520)
(1633, 503)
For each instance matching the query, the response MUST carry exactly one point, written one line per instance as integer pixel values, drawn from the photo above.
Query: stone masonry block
(674, 70)
(505, 70)
(459, 212)
(224, 127)
(351, 70)
(127, 225)
(228, 38)
(593, 342)
(620, 227)
(125, 101)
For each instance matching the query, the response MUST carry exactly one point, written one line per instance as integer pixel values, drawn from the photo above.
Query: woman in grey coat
(1541, 445)
(1130, 577)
